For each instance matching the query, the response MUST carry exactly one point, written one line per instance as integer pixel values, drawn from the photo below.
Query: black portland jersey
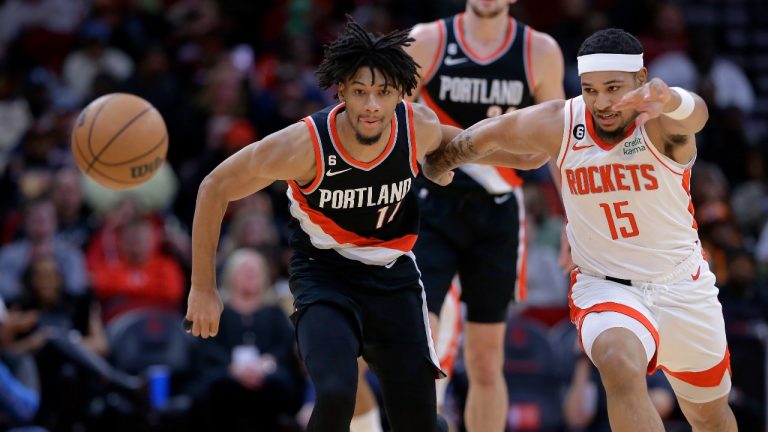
(361, 211)
(463, 89)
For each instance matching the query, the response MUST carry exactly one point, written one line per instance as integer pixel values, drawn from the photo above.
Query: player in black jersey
(357, 291)
(478, 64)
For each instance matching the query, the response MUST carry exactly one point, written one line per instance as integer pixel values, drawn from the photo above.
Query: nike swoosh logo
(452, 61)
(330, 173)
(696, 276)
(501, 199)
(577, 147)
(390, 264)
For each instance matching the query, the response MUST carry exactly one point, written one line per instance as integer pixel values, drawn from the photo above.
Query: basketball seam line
(90, 128)
(77, 144)
(148, 152)
(114, 137)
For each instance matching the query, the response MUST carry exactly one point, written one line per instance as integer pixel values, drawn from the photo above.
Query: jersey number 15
(610, 210)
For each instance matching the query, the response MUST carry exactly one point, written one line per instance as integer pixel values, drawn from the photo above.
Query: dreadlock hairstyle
(356, 48)
(611, 41)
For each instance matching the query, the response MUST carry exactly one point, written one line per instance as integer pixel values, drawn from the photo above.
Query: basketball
(119, 140)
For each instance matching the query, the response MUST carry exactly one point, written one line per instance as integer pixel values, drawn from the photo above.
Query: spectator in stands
(29, 172)
(250, 229)
(250, 373)
(720, 82)
(71, 213)
(139, 276)
(19, 396)
(67, 340)
(97, 57)
(15, 116)
(41, 227)
(744, 300)
(668, 33)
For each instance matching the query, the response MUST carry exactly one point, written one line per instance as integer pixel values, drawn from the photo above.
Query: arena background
(88, 274)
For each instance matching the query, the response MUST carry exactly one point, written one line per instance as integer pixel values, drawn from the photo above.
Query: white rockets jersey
(628, 206)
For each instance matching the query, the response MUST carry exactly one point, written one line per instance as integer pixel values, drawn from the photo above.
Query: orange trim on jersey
(509, 175)
(441, 115)
(342, 236)
(412, 139)
(596, 138)
(448, 362)
(439, 54)
(318, 158)
(707, 378)
(687, 188)
(522, 286)
(568, 141)
(652, 149)
(471, 54)
(577, 316)
(528, 63)
(352, 161)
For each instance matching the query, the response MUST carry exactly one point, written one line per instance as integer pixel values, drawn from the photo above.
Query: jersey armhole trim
(412, 148)
(438, 55)
(528, 61)
(319, 159)
(567, 126)
(662, 158)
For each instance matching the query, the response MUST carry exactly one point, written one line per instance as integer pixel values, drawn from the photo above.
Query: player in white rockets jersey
(642, 296)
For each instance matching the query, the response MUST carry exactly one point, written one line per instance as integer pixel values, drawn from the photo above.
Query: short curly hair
(356, 48)
(611, 41)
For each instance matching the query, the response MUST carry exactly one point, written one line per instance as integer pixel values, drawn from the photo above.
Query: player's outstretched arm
(286, 154)
(679, 112)
(530, 131)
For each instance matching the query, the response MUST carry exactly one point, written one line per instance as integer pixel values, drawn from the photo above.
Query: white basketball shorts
(684, 318)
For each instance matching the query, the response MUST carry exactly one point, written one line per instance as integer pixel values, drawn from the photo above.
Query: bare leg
(366, 417)
(715, 416)
(620, 357)
(487, 401)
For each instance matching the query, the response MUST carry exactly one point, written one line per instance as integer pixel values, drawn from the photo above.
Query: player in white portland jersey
(642, 297)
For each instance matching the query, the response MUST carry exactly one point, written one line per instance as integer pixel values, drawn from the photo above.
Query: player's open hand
(648, 100)
(203, 312)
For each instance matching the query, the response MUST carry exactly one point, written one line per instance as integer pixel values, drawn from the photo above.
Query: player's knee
(619, 369)
(485, 366)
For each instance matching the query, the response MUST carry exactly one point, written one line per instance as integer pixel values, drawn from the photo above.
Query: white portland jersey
(628, 206)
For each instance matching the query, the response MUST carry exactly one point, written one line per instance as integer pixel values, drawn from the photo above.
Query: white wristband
(687, 104)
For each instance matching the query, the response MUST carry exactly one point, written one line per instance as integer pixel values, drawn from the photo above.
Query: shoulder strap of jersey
(568, 130)
(443, 27)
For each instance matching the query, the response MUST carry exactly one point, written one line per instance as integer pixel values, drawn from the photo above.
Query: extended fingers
(642, 118)
(631, 99)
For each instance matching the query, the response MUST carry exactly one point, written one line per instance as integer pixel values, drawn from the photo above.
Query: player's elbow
(700, 114)
(211, 188)
(533, 161)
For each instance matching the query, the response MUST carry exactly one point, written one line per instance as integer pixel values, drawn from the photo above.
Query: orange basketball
(119, 140)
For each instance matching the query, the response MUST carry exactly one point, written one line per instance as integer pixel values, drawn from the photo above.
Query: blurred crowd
(93, 282)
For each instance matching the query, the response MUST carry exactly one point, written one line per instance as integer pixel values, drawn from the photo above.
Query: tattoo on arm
(460, 150)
